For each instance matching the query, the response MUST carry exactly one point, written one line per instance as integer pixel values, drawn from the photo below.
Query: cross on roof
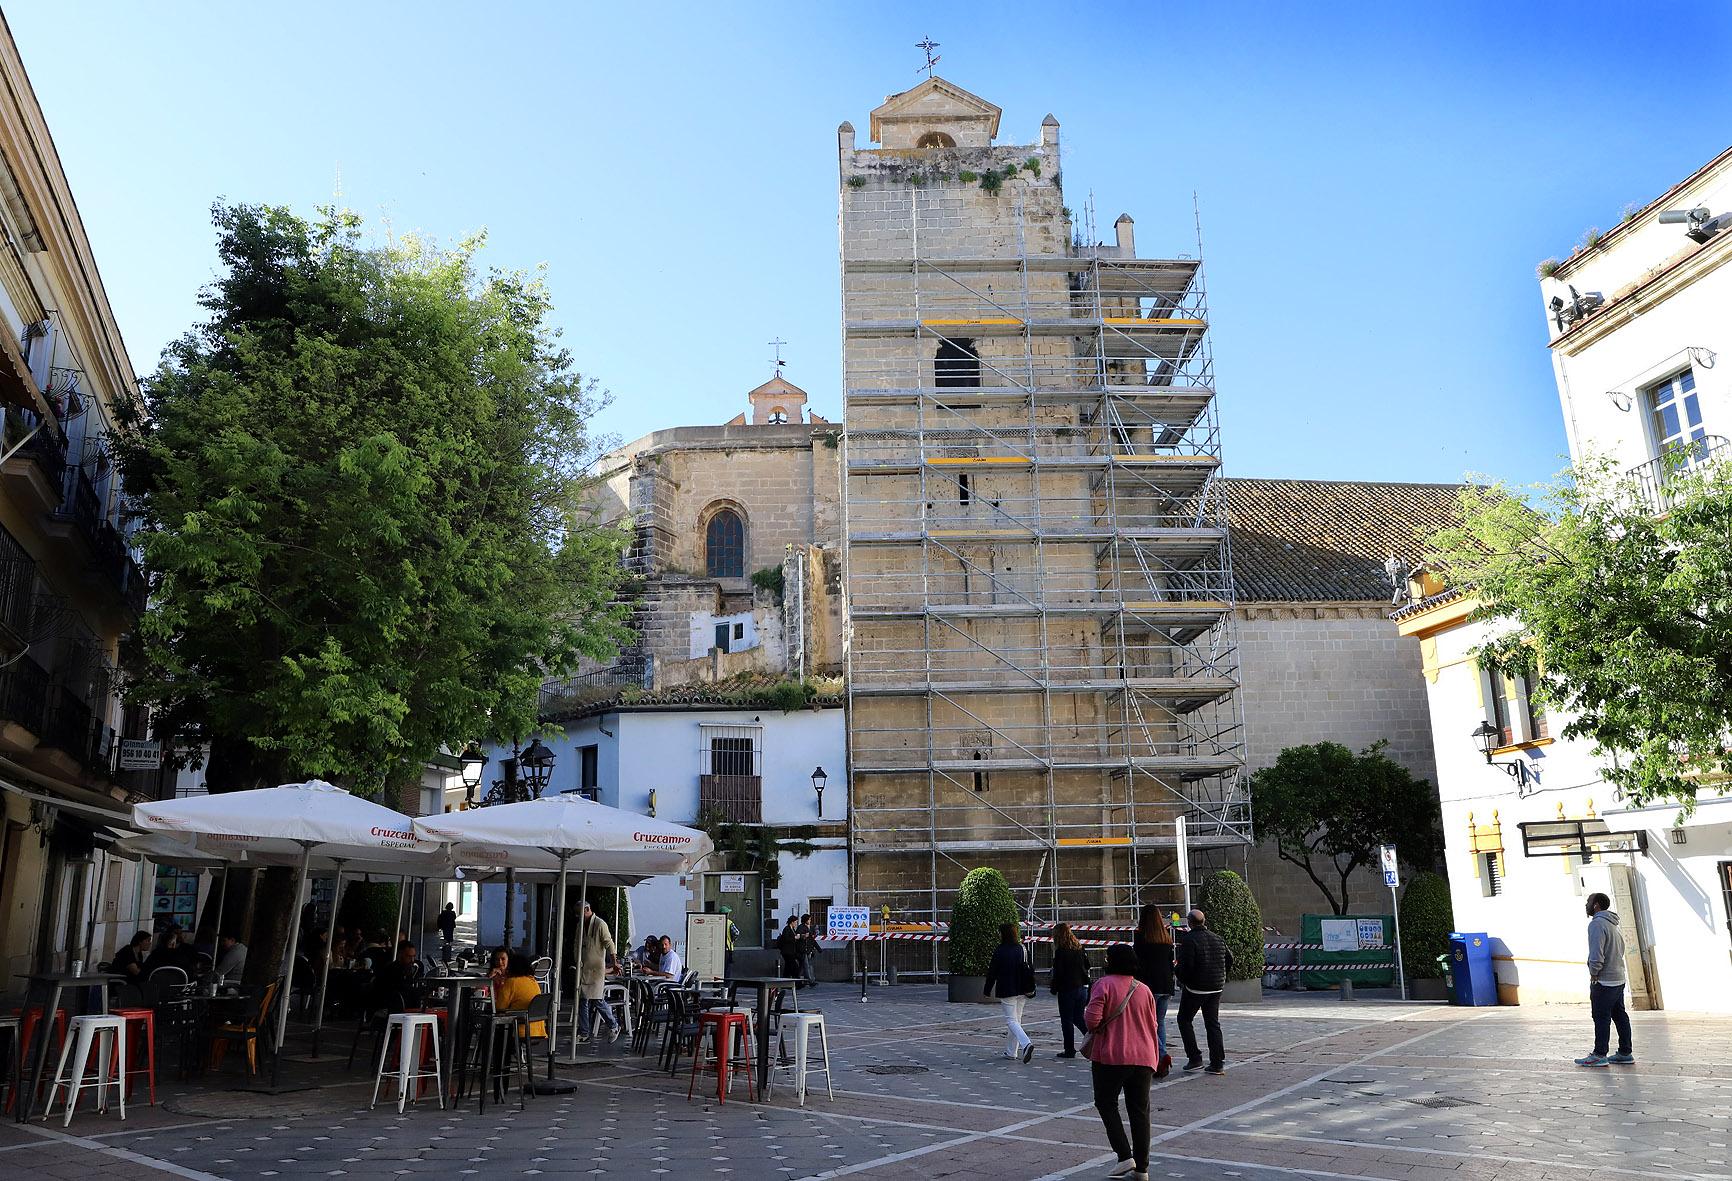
(928, 44)
(777, 345)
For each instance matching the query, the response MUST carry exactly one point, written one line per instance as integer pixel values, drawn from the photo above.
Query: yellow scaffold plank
(969, 460)
(1093, 841)
(1146, 322)
(1127, 457)
(999, 320)
(979, 532)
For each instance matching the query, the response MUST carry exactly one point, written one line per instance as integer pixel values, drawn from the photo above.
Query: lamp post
(471, 762)
(819, 779)
(1486, 736)
(526, 774)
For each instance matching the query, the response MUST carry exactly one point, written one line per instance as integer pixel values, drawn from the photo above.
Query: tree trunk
(273, 910)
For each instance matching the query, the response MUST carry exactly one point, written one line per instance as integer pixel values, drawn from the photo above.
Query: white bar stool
(108, 1036)
(802, 1025)
(409, 1027)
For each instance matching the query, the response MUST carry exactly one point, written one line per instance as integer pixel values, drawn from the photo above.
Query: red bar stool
(143, 1023)
(32, 1017)
(724, 1025)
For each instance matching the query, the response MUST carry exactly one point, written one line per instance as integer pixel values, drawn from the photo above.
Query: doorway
(742, 893)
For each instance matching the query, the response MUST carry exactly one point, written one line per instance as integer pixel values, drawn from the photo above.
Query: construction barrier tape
(1325, 967)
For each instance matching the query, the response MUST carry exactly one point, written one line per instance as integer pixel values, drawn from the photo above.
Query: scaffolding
(1042, 671)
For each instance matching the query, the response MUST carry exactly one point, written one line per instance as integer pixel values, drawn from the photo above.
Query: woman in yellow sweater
(517, 989)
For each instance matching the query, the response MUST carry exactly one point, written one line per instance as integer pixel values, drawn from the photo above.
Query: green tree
(1427, 918)
(1328, 809)
(1233, 914)
(1614, 598)
(359, 485)
(983, 904)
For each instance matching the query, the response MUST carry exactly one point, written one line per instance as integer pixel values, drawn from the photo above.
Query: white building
(686, 753)
(1637, 322)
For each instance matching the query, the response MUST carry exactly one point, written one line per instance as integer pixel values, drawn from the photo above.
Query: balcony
(737, 799)
(79, 514)
(23, 703)
(1658, 480)
(34, 474)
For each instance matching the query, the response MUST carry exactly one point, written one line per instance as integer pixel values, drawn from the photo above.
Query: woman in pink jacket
(1124, 1051)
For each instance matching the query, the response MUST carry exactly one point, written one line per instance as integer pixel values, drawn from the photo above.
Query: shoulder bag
(1089, 1041)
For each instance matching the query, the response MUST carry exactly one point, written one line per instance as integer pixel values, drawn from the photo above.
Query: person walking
(598, 953)
(788, 944)
(808, 950)
(1154, 948)
(447, 923)
(1606, 980)
(1123, 1050)
(1201, 968)
(1010, 978)
(1070, 984)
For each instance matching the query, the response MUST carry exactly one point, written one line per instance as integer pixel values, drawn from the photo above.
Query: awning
(117, 818)
(18, 384)
(1579, 838)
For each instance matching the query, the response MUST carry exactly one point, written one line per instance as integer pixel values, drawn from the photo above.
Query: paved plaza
(1314, 1089)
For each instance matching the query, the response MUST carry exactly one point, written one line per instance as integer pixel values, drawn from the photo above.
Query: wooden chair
(247, 1033)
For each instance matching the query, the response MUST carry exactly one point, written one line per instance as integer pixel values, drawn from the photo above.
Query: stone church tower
(1042, 672)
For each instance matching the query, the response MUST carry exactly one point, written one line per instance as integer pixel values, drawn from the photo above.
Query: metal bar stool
(142, 1022)
(106, 1036)
(726, 1027)
(802, 1025)
(409, 1027)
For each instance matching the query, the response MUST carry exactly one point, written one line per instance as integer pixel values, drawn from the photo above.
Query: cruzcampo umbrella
(298, 819)
(564, 833)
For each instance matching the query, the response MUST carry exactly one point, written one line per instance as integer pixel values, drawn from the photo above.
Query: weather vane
(928, 44)
(777, 345)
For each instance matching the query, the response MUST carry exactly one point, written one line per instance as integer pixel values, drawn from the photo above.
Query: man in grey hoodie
(1606, 984)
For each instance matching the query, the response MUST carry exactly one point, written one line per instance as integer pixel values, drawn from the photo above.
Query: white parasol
(297, 819)
(564, 833)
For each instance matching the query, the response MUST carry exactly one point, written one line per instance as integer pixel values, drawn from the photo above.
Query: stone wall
(1335, 672)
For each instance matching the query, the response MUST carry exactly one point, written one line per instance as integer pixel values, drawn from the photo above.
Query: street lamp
(819, 779)
(536, 763)
(1487, 736)
(471, 762)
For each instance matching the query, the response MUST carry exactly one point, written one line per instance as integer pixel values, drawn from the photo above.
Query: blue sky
(1377, 182)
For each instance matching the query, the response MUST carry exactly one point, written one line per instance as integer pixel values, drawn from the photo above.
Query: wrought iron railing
(24, 694)
(1660, 480)
(738, 799)
(80, 505)
(44, 449)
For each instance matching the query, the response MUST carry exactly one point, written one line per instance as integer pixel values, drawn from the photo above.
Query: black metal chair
(12, 1029)
(682, 1031)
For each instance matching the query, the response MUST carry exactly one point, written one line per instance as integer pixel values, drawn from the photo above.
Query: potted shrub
(983, 904)
(1427, 918)
(1234, 915)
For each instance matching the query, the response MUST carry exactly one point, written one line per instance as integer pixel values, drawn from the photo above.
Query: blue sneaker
(1622, 1059)
(1592, 1060)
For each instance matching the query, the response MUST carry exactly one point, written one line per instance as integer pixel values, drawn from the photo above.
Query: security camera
(1673, 217)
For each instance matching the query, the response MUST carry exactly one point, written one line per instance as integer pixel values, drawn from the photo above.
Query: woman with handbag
(1010, 978)
(1154, 948)
(1123, 1049)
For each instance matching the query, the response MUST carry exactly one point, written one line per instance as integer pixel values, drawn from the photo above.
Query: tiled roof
(1327, 540)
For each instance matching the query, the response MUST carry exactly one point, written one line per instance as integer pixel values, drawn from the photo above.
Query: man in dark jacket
(1201, 968)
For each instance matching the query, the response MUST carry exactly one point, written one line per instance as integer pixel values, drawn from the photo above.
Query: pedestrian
(1122, 1050)
(1201, 968)
(447, 930)
(1154, 948)
(1070, 984)
(597, 953)
(1606, 980)
(1010, 978)
(730, 936)
(788, 944)
(808, 951)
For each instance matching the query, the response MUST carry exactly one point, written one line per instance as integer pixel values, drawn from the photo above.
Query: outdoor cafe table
(458, 1008)
(765, 986)
(57, 983)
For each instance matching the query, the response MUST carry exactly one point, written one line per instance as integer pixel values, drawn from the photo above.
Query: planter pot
(1429, 989)
(1242, 992)
(969, 990)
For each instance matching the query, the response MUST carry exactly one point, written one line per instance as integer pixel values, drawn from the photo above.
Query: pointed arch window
(725, 545)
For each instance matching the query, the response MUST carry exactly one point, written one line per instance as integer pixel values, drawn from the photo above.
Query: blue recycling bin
(1472, 977)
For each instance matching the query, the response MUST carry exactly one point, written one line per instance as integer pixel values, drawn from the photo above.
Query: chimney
(1126, 231)
(1049, 132)
(845, 138)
